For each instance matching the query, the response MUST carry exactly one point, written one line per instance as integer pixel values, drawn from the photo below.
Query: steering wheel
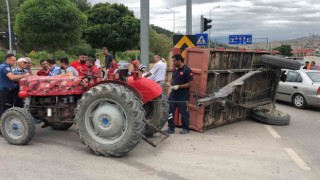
(90, 74)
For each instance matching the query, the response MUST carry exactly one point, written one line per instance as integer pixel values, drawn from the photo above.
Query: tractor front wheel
(17, 126)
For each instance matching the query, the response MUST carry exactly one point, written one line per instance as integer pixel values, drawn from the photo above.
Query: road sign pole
(144, 32)
(9, 27)
(189, 17)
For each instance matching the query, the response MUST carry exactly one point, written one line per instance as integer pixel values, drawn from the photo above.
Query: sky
(272, 19)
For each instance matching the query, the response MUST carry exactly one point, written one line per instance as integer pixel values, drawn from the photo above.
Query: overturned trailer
(231, 85)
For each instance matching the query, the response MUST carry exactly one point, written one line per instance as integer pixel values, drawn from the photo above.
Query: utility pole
(174, 19)
(9, 27)
(144, 32)
(189, 17)
(209, 44)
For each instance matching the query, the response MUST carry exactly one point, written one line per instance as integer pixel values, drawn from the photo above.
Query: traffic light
(205, 24)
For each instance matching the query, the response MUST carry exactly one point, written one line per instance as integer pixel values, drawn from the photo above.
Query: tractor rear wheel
(110, 119)
(17, 126)
(60, 126)
(280, 62)
(156, 114)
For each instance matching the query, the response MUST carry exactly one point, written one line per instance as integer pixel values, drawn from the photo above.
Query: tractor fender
(132, 88)
(147, 87)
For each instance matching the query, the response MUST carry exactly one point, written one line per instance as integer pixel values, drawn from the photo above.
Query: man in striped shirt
(22, 67)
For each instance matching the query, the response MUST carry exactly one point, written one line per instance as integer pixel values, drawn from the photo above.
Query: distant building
(304, 52)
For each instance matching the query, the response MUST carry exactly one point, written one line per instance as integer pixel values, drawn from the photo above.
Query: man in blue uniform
(9, 88)
(180, 84)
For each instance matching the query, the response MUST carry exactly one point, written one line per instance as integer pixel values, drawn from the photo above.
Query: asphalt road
(244, 150)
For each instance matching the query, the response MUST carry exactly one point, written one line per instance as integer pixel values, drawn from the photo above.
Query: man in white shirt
(158, 72)
(98, 63)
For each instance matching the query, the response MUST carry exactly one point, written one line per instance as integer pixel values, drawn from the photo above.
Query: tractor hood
(53, 85)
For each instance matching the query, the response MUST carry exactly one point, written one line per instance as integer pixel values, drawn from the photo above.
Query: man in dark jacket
(180, 83)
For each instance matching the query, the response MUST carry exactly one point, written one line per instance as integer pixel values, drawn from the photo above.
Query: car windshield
(314, 76)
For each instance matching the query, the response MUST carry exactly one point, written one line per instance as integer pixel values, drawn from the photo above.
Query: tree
(160, 43)
(50, 25)
(113, 26)
(83, 5)
(13, 5)
(160, 30)
(284, 50)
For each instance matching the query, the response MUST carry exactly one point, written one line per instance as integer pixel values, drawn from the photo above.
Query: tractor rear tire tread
(135, 117)
(159, 115)
(280, 62)
(276, 118)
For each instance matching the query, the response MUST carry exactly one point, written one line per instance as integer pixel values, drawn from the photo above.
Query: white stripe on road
(296, 158)
(273, 133)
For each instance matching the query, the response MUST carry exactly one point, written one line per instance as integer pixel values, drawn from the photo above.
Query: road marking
(297, 159)
(273, 132)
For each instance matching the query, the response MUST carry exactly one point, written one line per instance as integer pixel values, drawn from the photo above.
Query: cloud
(275, 19)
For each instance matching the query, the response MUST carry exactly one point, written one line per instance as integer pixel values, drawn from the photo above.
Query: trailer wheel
(274, 117)
(60, 126)
(17, 126)
(156, 114)
(110, 119)
(280, 62)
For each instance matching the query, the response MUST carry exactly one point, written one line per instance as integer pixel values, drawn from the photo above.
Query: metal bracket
(157, 140)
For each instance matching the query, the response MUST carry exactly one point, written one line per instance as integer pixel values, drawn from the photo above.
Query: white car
(301, 88)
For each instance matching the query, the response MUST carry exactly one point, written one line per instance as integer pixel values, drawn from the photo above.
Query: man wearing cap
(158, 72)
(8, 84)
(23, 64)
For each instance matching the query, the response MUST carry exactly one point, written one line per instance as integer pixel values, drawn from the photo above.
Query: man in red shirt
(80, 64)
(45, 68)
(113, 66)
(93, 69)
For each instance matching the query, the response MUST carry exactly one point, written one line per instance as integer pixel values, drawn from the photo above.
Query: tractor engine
(54, 108)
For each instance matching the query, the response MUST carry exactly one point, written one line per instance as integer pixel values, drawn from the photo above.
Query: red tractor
(110, 116)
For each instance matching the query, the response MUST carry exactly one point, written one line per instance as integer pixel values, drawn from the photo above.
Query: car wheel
(299, 101)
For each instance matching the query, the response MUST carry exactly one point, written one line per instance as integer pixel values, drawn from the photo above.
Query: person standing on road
(54, 68)
(108, 58)
(9, 89)
(158, 72)
(180, 84)
(23, 64)
(306, 65)
(23, 68)
(45, 68)
(80, 64)
(98, 62)
(313, 66)
(69, 70)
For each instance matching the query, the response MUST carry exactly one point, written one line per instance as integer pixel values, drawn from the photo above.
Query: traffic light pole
(209, 44)
(9, 27)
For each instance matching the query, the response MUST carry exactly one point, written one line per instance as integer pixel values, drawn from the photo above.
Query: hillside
(311, 41)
